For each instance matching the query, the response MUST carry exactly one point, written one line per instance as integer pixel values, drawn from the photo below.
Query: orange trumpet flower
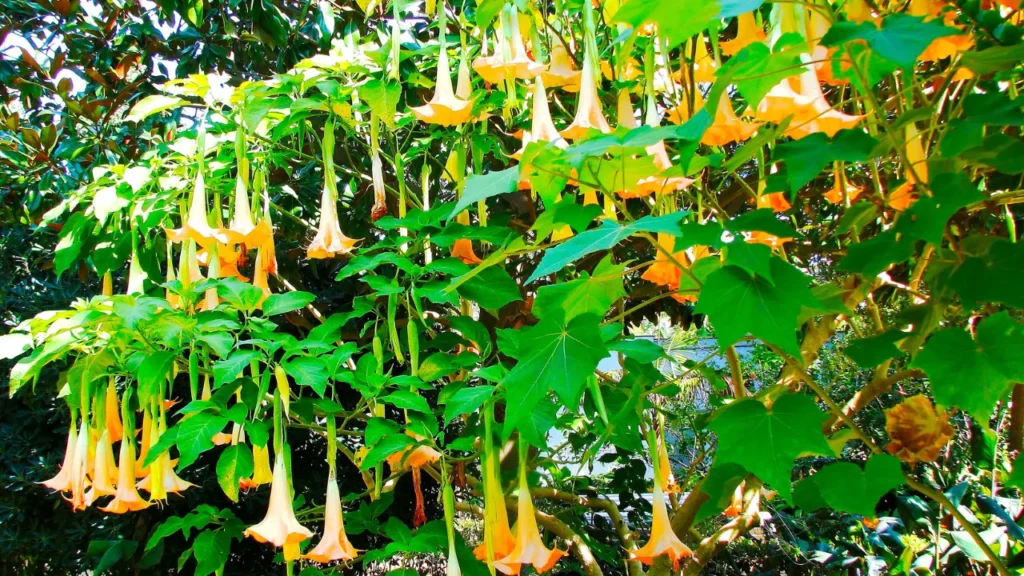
(79, 470)
(727, 127)
(413, 459)
(842, 189)
(776, 201)
(917, 171)
(279, 527)
(197, 225)
(498, 540)
(445, 108)
(259, 277)
(529, 549)
(463, 247)
(329, 240)
(560, 72)
(62, 481)
(162, 478)
(334, 545)
(104, 471)
(807, 105)
(664, 541)
(112, 420)
(588, 110)
(127, 498)
(747, 33)
(261, 473)
(542, 128)
(245, 230)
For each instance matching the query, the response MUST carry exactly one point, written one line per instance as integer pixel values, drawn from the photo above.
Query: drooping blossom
(747, 33)
(917, 431)
(529, 548)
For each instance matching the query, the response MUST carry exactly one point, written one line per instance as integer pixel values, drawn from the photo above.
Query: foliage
(823, 230)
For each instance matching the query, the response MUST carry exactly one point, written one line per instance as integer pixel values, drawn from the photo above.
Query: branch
(867, 394)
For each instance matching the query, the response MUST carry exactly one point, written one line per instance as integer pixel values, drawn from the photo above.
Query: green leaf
(535, 426)
(227, 371)
(756, 69)
(998, 150)
(754, 258)
(739, 304)
(873, 350)
(388, 445)
(407, 400)
(487, 11)
(875, 255)
(994, 274)
(195, 436)
(383, 99)
(847, 488)
(211, 549)
(901, 38)
(466, 401)
(241, 295)
(235, 463)
(14, 344)
(585, 295)
(486, 186)
(640, 349)
(974, 374)
(608, 235)
(287, 302)
(926, 219)
(767, 442)
(762, 220)
(492, 288)
(152, 105)
(666, 14)
(556, 357)
(153, 373)
(438, 365)
(116, 551)
(308, 371)
(473, 331)
(992, 59)
(807, 157)
(719, 485)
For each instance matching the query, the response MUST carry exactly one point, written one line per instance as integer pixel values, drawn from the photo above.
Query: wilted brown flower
(917, 431)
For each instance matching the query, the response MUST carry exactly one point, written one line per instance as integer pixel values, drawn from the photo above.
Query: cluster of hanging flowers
(90, 472)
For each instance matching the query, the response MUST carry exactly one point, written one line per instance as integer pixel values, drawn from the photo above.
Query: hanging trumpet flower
(542, 128)
(334, 544)
(162, 478)
(62, 481)
(445, 108)
(413, 459)
(197, 225)
(380, 207)
(588, 110)
(842, 190)
(127, 498)
(747, 33)
(498, 540)
(560, 72)
(261, 473)
(916, 171)
(329, 240)
(448, 498)
(280, 528)
(529, 549)
(249, 234)
(664, 541)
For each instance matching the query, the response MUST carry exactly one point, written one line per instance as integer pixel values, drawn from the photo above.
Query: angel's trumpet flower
(279, 527)
(247, 232)
(127, 498)
(727, 127)
(104, 470)
(261, 473)
(945, 46)
(651, 184)
(492, 67)
(842, 190)
(663, 271)
(448, 499)
(107, 288)
(228, 259)
(858, 11)
(529, 549)
(668, 478)
(445, 108)
(334, 545)
(414, 459)
(520, 65)
(630, 71)
(747, 33)
(463, 247)
(79, 469)
(917, 171)
(588, 111)
(62, 481)
(112, 409)
(136, 276)
(664, 541)
(329, 240)
(259, 277)
(542, 128)
(197, 225)
(776, 201)
(211, 300)
(807, 105)
(498, 540)
(704, 66)
(560, 72)
(162, 471)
